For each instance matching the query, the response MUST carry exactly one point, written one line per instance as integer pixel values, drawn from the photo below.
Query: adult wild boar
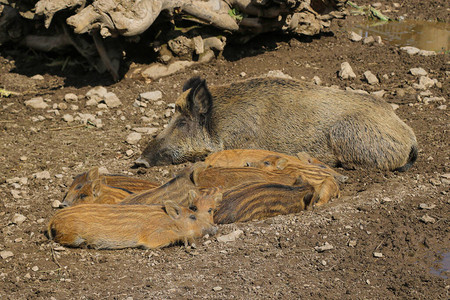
(283, 115)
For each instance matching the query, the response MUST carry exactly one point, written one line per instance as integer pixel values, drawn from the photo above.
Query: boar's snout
(63, 204)
(141, 162)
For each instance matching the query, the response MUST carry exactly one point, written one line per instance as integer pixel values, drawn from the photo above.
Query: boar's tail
(411, 159)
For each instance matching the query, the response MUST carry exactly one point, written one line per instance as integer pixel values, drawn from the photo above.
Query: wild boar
(175, 189)
(82, 188)
(283, 115)
(123, 226)
(252, 201)
(267, 160)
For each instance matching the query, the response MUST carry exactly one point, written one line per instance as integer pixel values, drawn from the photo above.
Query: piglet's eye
(266, 163)
(210, 210)
(82, 196)
(193, 208)
(192, 217)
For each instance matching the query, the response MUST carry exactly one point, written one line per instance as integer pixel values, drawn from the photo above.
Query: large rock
(346, 71)
(37, 103)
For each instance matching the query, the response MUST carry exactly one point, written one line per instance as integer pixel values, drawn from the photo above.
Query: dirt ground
(378, 212)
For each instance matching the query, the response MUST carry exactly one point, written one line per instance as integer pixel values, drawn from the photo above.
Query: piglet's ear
(172, 209)
(93, 174)
(282, 163)
(97, 186)
(200, 99)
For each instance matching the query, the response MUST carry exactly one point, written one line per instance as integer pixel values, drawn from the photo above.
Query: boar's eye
(192, 217)
(181, 123)
(82, 196)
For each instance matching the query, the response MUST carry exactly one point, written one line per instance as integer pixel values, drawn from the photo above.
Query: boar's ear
(93, 174)
(191, 83)
(172, 209)
(281, 163)
(192, 195)
(199, 101)
(218, 198)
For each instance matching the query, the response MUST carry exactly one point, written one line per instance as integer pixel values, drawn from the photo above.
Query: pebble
(231, 237)
(217, 288)
(37, 103)
(426, 206)
(129, 152)
(243, 74)
(18, 219)
(426, 53)
(96, 94)
(6, 254)
(59, 248)
(445, 178)
(103, 170)
(56, 203)
(354, 37)
(157, 70)
(91, 102)
(101, 106)
(27, 276)
(323, 262)
(346, 71)
(352, 243)
(35, 268)
(427, 219)
(418, 71)
(62, 106)
(70, 97)
(435, 182)
(111, 100)
(38, 77)
(16, 194)
(133, 138)
(371, 79)
(394, 106)
(278, 73)
(74, 107)
(324, 247)
(410, 50)
(377, 254)
(379, 94)
(146, 130)
(317, 80)
(442, 107)
(42, 175)
(68, 118)
(368, 40)
(378, 40)
(23, 158)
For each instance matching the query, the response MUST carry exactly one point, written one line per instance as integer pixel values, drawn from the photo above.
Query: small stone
(368, 40)
(354, 37)
(427, 219)
(445, 178)
(37, 103)
(217, 288)
(435, 182)
(23, 158)
(146, 130)
(74, 107)
(199, 45)
(317, 80)
(394, 106)
(133, 138)
(378, 40)
(103, 170)
(97, 94)
(62, 106)
(371, 79)
(91, 102)
(70, 97)
(243, 74)
(27, 276)
(426, 206)
(59, 176)
(346, 71)
(352, 243)
(231, 237)
(323, 262)
(426, 53)
(376, 5)
(129, 152)
(18, 219)
(42, 175)
(156, 70)
(278, 73)
(59, 248)
(150, 96)
(377, 254)
(324, 247)
(442, 107)
(206, 243)
(418, 71)
(112, 100)
(68, 118)
(379, 94)
(386, 200)
(6, 254)
(426, 81)
(101, 106)
(37, 77)
(35, 268)
(410, 50)
(56, 204)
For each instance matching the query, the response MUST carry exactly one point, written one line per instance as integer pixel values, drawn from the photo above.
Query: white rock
(158, 70)
(371, 79)
(278, 73)
(97, 93)
(103, 170)
(112, 100)
(56, 203)
(410, 50)
(150, 96)
(317, 80)
(199, 46)
(368, 40)
(74, 107)
(378, 40)
(16, 194)
(38, 77)
(101, 106)
(354, 37)
(129, 152)
(418, 71)
(37, 103)
(217, 288)
(146, 130)
(442, 107)
(86, 117)
(42, 175)
(426, 53)
(394, 106)
(6, 254)
(379, 94)
(346, 71)
(324, 247)
(426, 206)
(377, 254)
(133, 138)
(70, 97)
(231, 237)
(18, 219)
(91, 102)
(427, 219)
(352, 243)
(35, 268)
(68, 118)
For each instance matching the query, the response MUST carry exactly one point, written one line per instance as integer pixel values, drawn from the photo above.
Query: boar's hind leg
(368, 143)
